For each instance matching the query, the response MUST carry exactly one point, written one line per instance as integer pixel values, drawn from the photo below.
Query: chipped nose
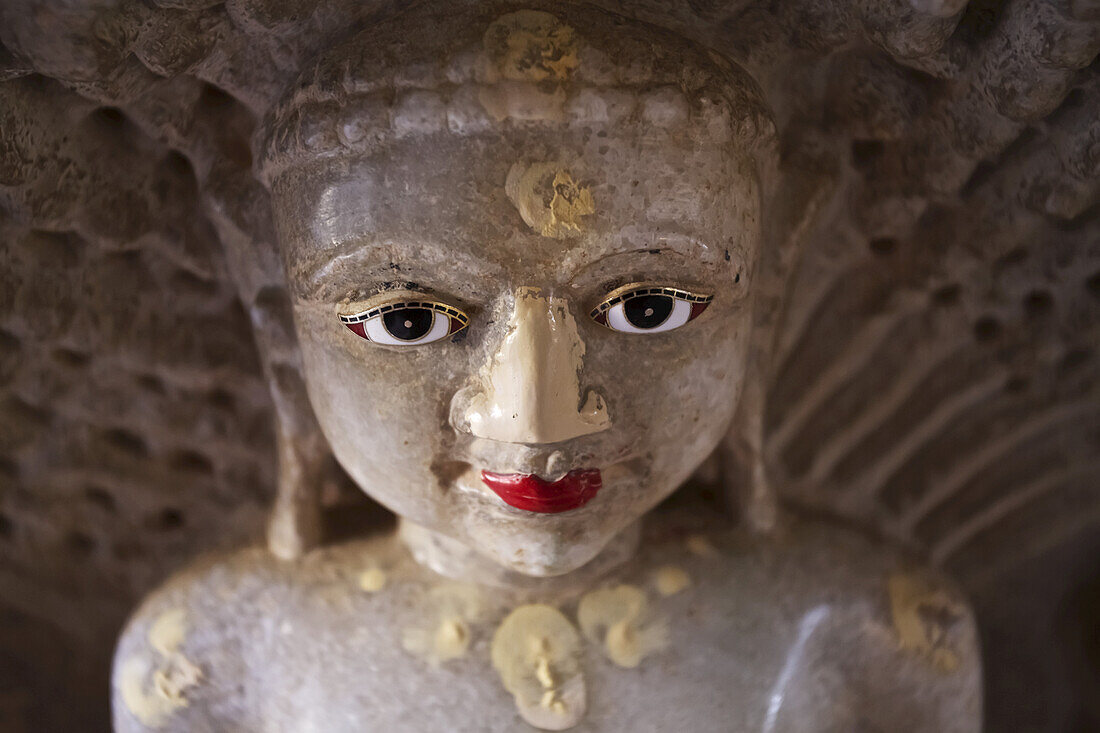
(530, 389)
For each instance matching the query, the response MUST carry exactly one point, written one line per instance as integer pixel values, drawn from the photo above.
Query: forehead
(515, 201)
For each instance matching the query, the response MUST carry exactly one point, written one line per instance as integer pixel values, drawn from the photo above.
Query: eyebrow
(385, 271)
(319, 266)
(678, 244)
(684, 244)
(663, 241)
(374, 266)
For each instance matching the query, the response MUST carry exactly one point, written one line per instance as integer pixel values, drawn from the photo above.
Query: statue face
(523, 341)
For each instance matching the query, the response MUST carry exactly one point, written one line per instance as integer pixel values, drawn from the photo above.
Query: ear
(240, 209)
(295, 524)
(792, 203)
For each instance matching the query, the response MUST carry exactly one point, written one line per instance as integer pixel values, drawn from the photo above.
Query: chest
(705, 674)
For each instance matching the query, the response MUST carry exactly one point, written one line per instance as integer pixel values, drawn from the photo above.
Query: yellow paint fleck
(923, 615)
(154, 690)
(670, 580)
(445, 633)
(175, 677)
(530, 45)
(617, 620)
(699, 545)
(372, 579)
(151, 709)
(536, 652)
(168, 631)
(543, 673)
(448, 639)
(549, 200)
(571, 201)
(452, 638)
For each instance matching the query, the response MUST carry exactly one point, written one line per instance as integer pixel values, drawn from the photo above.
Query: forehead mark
(549, 200)
(529, 55)
(530, 45)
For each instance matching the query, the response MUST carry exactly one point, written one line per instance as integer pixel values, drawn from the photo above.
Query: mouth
(533, 494)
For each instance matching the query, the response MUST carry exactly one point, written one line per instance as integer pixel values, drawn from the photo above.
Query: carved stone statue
(726, 365)
(522, 247)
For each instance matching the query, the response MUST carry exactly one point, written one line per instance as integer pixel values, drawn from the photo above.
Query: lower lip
(533, 494)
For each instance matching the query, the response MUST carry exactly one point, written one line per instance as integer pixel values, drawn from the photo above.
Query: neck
(453, 559)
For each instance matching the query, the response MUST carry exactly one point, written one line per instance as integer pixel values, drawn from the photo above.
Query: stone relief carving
(857, 248)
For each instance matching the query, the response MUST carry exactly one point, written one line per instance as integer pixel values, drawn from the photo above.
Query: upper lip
(532, 493)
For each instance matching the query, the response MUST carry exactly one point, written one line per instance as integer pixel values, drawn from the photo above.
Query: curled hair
(435, 70)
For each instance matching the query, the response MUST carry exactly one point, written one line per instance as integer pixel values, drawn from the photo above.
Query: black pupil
(408, 324)
(648, 311)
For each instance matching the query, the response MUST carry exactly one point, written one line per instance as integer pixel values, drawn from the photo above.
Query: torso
(801, 633)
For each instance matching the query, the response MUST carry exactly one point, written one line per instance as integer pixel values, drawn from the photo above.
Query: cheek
(381, 411)
(674, 399)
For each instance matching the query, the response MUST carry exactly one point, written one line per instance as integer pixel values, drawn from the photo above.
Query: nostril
(557, 464)
(459, 413)
(462, 406)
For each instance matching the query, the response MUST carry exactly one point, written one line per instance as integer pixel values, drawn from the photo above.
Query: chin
(544, 555)
(549, 568)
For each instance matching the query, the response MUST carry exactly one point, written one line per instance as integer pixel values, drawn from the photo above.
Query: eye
(649, 309)
(406, 323)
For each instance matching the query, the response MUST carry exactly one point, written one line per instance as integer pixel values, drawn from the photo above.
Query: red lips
(533, 494)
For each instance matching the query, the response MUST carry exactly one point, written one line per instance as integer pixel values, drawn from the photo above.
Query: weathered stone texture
(936, 369)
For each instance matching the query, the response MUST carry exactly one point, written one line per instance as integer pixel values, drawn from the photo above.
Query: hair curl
(479, 71)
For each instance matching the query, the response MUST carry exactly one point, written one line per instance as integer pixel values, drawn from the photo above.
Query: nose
(529, 391)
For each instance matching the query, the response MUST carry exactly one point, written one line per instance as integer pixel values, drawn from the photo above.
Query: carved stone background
(937, 369)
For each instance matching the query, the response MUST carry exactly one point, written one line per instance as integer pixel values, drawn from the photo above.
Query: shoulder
(803, 565)
(231, 628)
(178, 645)
(828, 614)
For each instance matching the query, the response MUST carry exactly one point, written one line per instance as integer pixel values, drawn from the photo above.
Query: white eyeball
(406, 323)
(649, 309)
(648, 314)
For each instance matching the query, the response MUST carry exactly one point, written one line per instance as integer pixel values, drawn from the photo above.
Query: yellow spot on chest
(176, 677)
(445, 631)
(372, 580)
(168, 631)
(448, 639)
(617, 620)
(923, 616)
(536, 652)
(452, 638)
(670, 580)
(153, 687)
(700, 546)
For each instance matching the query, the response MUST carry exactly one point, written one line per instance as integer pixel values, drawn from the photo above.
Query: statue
(532, 253)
